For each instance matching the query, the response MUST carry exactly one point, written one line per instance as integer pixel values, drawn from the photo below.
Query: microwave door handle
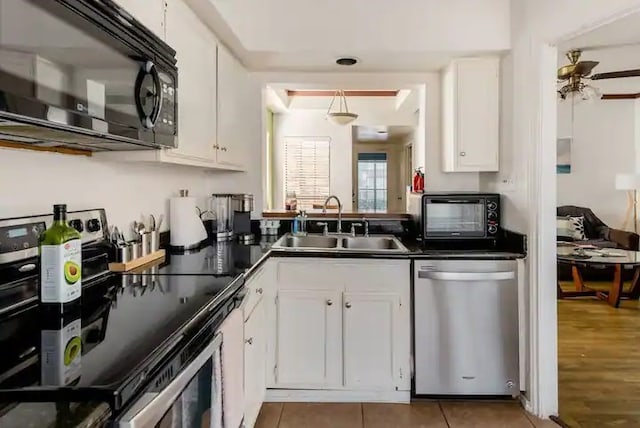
(467, 276)
(152, 406)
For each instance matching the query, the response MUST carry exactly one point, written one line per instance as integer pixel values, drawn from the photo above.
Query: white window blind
(306, 170)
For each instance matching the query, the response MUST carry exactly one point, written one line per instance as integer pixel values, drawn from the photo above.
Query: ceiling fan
(574, 73)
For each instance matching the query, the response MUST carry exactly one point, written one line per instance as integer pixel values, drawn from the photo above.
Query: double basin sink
(341, 243)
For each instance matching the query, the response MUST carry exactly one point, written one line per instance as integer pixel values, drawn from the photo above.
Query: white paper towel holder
(187, 230)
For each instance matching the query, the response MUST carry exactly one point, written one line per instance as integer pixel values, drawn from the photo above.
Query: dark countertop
(219, 265)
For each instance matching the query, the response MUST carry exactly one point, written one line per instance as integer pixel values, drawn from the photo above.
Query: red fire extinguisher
(418, 180)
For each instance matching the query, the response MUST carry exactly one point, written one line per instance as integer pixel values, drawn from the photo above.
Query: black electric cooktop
(128, 325)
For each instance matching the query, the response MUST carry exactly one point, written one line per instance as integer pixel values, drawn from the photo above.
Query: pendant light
(341, 117)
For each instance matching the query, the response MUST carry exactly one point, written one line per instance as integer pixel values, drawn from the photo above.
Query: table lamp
(630, 183)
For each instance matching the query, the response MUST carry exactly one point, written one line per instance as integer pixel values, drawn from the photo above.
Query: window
(306, 170)
(372, 182)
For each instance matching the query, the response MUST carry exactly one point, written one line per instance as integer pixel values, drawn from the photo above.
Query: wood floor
(428, 414)
(599, 362)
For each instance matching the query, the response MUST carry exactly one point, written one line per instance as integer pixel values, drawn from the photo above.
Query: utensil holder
(123, 253)
(145, 243)
(154, 244)
(136, 250)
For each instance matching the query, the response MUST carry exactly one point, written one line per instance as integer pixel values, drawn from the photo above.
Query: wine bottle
(60, 262)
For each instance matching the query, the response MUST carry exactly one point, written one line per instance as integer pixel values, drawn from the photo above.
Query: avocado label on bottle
(61, 354)
(61, 272)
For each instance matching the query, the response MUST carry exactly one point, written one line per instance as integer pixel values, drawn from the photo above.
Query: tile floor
(427, 414)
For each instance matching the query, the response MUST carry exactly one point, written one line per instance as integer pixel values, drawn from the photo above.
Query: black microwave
(85, 74)
(460, 216)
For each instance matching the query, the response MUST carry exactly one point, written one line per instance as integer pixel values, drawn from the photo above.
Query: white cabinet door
(196, 54)
(309, 348)
(232, 109)
(254, 364)
(371, 340)
(149, 13)
(470, 115)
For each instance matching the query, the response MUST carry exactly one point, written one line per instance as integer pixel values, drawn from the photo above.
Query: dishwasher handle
(466, 276)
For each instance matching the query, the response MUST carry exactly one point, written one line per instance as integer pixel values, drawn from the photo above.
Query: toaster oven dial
(493, 229)
(492, 215)
(492, 206)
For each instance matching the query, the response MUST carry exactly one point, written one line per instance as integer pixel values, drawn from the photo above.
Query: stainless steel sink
(309, 241)
(371, 243)
(340, 243)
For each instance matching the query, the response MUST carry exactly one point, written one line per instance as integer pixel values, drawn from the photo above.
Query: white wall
(603, 146)
(31, 182)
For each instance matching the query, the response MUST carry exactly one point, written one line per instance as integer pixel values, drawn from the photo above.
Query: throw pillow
(570, 228)
(577, 227)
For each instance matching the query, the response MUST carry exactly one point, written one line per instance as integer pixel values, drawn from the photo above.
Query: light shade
(628, 181)
(342, 118)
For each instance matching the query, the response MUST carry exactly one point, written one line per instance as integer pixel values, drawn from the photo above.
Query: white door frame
(542, 397)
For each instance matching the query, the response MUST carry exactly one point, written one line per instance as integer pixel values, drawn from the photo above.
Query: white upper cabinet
(195, 49)
(215, 105)
(150, 13)
(471, 115)
(232, 109)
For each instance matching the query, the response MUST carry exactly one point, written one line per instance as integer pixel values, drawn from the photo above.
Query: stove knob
(76, 224)
(93, 225)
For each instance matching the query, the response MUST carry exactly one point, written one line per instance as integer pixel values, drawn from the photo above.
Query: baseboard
(338, 396)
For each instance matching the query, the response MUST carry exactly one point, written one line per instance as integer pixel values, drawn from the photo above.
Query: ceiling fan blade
(584, 67)
(616, 74)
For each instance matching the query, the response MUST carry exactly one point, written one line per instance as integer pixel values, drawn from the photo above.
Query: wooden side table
(620, 260)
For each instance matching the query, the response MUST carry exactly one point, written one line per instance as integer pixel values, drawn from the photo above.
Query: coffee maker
(233, 216)
(242, 205)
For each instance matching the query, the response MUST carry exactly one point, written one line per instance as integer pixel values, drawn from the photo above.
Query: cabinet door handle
(249, 341)
(224, 149)
(463, 153)
(259, 291)
(329, 302)
(347, 305)
(215, 146)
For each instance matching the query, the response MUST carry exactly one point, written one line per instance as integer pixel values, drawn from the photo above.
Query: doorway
(380, 167)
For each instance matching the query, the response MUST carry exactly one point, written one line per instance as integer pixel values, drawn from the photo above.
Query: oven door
(192, 399)
(454, 217)
(83, 68)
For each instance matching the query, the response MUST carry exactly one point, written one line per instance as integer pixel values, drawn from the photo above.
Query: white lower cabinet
(308, 349)
(254, 363)
(340, 325)
(370, 324)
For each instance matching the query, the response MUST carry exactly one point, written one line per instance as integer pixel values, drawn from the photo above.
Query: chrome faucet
(324, 210)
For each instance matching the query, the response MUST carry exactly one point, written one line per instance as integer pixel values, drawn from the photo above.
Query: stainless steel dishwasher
(466, 327)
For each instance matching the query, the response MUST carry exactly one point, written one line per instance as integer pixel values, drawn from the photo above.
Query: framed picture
(563, 162)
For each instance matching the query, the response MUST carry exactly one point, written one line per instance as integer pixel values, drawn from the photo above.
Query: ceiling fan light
(342, 118)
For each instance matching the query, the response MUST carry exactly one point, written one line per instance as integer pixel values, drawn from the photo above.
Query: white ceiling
(620, 32)
(406, 35)
(381, 133)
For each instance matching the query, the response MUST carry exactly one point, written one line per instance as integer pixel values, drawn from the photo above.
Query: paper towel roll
(187, 229)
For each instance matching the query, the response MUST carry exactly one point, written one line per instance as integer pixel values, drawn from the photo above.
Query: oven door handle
(152, 406)
(453, 201)
(467, 276)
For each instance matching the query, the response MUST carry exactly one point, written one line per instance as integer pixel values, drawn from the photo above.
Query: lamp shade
(628, 181)
(342, 118)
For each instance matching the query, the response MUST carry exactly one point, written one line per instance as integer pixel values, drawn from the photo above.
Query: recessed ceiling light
(347, 61)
